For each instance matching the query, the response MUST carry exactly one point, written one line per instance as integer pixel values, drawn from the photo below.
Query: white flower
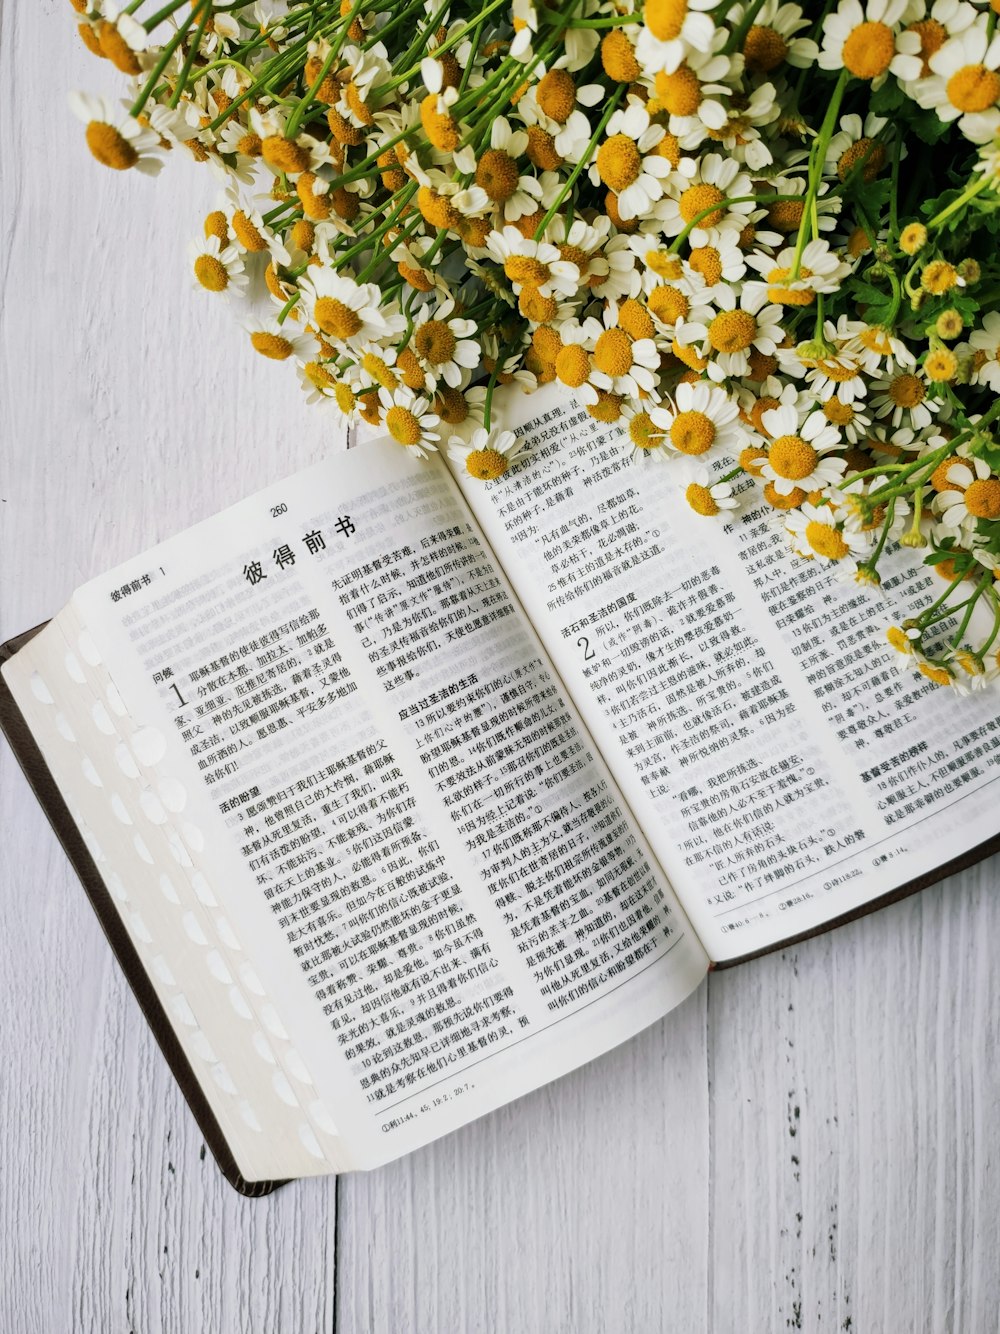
(851, 420)
(116, 140)
(701, 422)
(965, 82)
(903, 399)
(820, 271)
(815, 531)
(487, 455)
(624, 162)
(876, 349)
(773, 42)
(669, 32)
(536, 263)
(697, 186)
(710, 498)
(622, 364)
(693, 93)
(277, 341)
(443, 344)
(218, 268)
(798, 455)
(853, 151)
(346, 312)
(409, 420)
(866, 41)
(973, 494)
(730, 335)
(986, 340)
(497, 172)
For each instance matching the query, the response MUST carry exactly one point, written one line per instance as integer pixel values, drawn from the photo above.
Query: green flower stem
(405, 193)
(288, 307)
(164, 13)
(154, 75)
(206, 13)
(987, 643)
(928, 614)
(446, 45)
(971, 190)
(419, 42)
(817, 157)
(583, 162)
(295, 119)
(615, 20)
(739, 34)
(381, 255)
(702, 214)
(959, 634)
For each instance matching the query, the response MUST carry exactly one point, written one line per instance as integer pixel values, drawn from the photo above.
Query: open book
(400, 795)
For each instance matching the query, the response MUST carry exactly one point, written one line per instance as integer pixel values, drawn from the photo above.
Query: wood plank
(855, 1126)
(582, 1207)
(131, 407)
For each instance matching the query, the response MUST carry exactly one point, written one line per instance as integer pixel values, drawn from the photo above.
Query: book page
(783, 769)
(397, 806)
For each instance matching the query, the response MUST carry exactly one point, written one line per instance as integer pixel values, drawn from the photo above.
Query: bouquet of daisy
(763, 239)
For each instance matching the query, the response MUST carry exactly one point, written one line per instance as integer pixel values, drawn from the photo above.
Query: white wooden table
(811, 1142)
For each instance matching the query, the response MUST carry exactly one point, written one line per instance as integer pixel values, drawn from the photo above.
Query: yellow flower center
(700, 499)
(665, 18)
(688, 355)
(866, 151)
(114, 46)
(486, 464)
(317, 375)
(572, 365)
(211, 273)
(825, 540)
(792, 457)
(525, 269)
(785, 214)
(336, 318)
(541, 149)
(608, 407)
(692, 432)
(618, 162)
(556, 95)
(284, 154)
(899, 640)
(574, 254)
(764, 49)
(841, 414)
(246, 232)
(906, 391)
(973, 88)
(912, 238)
(435, 342)
(777, 501)
(939, 675)
(109, 147)
(303, 234)
(939, 277)
(732, 331)
(779, 294)
(696, 198)
(876, 340)
(251, 145)
(679, 92)
(534, 306)
(707, 261)
(869, 50)
(837, 371)
(271, 345)
(496, 173)
(618, 58)
(762, 364)
(933, 36)
(380, 371)
(403, 426)
(750, 460)
(941, 366)
(450, 405)
(440, 129)
(613, 352)
(635, 319)
(762, 405)
(216, 225)
(982, 498)
(642, 432)
(344, 397)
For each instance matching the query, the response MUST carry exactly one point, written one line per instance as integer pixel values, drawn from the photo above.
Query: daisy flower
(985, 343)
(771, 41)
(871, 520)
(621, 364)
(815, 531)
(497, 173)
(551, 103)
(732, 334)
(443, 342)
(854, 148)
(820, 271)
(701, 422)
(852, 420)
(973, 494)
(692, 93)
(117, 141)
(347, 312)
(701, 185)
(903, 399)
(625, 164)
(409, 420)
(537, 264)
(672, 28)
(944, 19)
(710, 498)
(277, 341)
(524, 17)
(487, 455)
(644, 435)
(965, 82)
(877, 350)
(218, 268)
(866, 41)
(798, 455)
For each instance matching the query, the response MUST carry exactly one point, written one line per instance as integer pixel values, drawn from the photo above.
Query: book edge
(14, 726)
